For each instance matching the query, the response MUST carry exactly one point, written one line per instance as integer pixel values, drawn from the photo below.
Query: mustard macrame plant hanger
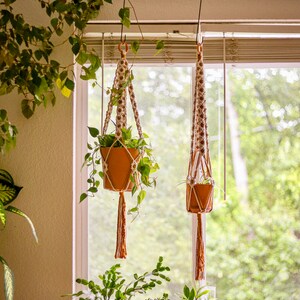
(200, 185)
(121, 84)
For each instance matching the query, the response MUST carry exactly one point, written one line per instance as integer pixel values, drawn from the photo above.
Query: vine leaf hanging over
(26, 56)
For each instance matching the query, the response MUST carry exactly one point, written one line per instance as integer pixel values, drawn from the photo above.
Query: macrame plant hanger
(200, 185)
(121, 161)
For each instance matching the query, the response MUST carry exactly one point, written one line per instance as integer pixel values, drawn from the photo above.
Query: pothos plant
(27, 64)
(26, 55)
(146, 166)
(8, 193)
(114, 286)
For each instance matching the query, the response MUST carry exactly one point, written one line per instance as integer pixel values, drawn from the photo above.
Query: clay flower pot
(199, 198)
(119, 167)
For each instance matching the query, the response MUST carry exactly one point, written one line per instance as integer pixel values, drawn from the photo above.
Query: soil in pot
(119, 167)
(204, 194)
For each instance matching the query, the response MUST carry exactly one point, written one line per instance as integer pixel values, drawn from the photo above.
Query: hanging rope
(199, 190)
(198, 23)
(121, 158)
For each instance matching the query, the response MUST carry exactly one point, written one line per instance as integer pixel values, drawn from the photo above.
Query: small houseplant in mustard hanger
(127, 161)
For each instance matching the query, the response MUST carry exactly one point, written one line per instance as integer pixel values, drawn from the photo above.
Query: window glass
(163, 227)
(253, 240)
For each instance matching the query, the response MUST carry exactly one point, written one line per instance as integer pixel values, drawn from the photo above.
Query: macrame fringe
(200, 256)
(121, 251)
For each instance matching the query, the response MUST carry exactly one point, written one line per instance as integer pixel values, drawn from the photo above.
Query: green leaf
(192, 294)
(22, 214)
(4, 175)
(63, 75)
(141, 196)
(8, 192)
(124, 14)
(38, 54)
(203, 293)
(75, 295)
(160, 45)
(3, 89)
(135, 45)
(8, 280)
(94, 132)
(54, 22)
(108, 1)
(82, 58)
(93, 189)
(83, 196)
(132, 210)
(75, 48)
(186, 291)
(2, 214)
(28, 108)
(70, 84)
(66, 92)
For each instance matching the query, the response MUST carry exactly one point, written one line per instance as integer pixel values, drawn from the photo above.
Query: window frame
(80, 210)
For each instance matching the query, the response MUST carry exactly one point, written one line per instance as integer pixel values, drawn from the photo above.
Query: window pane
(163, 227)
(253, 242)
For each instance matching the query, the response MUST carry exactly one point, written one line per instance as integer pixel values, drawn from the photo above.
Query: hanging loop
(123, 43)
(199, 48)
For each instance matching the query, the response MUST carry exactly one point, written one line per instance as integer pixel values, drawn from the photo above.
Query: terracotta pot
(117, 176)
(204, 193)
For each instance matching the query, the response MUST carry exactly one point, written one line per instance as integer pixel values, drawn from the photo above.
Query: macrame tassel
(121, 251)
(200, 257)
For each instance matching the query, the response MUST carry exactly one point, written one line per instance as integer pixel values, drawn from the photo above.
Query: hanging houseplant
(200, 184)
(127, 162)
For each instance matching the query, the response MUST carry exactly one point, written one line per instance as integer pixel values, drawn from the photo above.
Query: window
(164, 227)
(253, 239)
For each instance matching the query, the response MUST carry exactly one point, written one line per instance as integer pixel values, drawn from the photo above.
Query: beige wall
(42, 164)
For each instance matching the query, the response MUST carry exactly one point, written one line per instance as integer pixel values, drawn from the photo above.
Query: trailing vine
(26, 56)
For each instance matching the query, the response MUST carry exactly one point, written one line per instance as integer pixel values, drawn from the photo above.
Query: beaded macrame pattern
(121, 84)
(199, 164)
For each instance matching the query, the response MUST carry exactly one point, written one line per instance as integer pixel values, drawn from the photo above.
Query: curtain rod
(194, 22)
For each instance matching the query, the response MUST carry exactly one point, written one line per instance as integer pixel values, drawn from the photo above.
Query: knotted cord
(122, 83)
(199, 193)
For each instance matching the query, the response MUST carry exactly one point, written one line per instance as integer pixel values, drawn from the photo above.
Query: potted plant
(200, 195)
(8, 193)
(127, 171)
(114, 286)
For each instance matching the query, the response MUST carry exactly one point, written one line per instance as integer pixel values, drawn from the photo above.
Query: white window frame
(80, 210)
